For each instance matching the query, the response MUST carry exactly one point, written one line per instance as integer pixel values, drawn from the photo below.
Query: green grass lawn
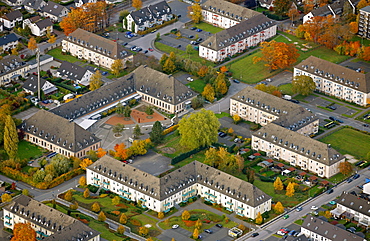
(286, 89)
(173, 141)
(197, 85)
(222, 114)
(57, 53)
(208, 27)
(349, 141)
(28, 151)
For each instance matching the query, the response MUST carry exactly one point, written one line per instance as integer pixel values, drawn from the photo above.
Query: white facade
(10, 24)
(35, 29)
(13, 74)
(219, 20)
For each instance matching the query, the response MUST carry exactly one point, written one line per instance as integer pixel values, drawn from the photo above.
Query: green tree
(10, 138)
(42, 162)
(149, 110)
(48, 178)
(118, 129)
(185, 215)
(209, 93)
(116, 200)
(122, 15)
(281, 7)
(137, 131)
(156, 135)
(123, 218)
(61, 164)
(199, 129)
(279, 208)
(303, 85)
(189, 50)
(95, 81)
(120, 229)
(39, 176)
(163, 59)
(82, 181)
(120, 109)
(102, 217)
(86, 193)
(127, 111)
(95, 207)
(25, 192)
(117, 67)
(278, 184)
(68, 195)
(169, 66)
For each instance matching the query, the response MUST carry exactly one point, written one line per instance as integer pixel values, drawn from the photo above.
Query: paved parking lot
(340, 109)
(173, 41)
(152, 163)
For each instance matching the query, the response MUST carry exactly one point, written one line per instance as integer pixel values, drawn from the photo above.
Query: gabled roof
(59, 131)
(337, 73)
(300, 144)
(238, 32)
(64, 226)
(98, 44)
(72, 71)
(180, 179)
(229, 10)
(355, 203)
(10, 63)
(34, 4)
(161, 86)
(12, 15)
(31, 85)
(8, 39)
(329, 231)
(330, 9)
(53, 8)
(366, 9)
(150, 13)
(43, 24)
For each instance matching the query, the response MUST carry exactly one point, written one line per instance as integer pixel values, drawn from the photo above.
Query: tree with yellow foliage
(68, 195)
(82, 181)
(185, 215)
(160, 215)
(290, 189)
(137, 4)
(195, 233)
(95, 207)
(198, 224)
(102, 217)
(52, 39)
(123, 218)
(6, 198)
(279, 208)
(143, 231)
(278, 184)
(195, 13)
(209, 93)
(236, 118)
(85, 163)
(86, 193)
(259, 218)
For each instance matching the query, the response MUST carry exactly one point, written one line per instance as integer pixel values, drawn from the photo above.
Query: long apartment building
(161, 194)
(237, 38)
(263, 108)
(95, 49)
(49, 223)
(364, 22)
(59, 135)
(299, 150)
(336, 80)
(11, 69)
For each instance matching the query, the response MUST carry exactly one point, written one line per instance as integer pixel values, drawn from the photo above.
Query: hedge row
(185, 155)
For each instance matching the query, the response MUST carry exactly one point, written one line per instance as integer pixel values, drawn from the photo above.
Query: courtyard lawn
(28, 151)
(222, 114)
(268, 188)
(145, 220)
(286, 89)
(57, 53)
(173, 142)
(105, 231)
(359, 142)
(208, 27)
(197, 85)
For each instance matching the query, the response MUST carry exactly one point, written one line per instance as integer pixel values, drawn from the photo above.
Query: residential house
(191, 180)
(336, 80)
(335, 9)
(13, 2)
(59, 135)
(263, 108)
(11, 19)
(33, 6)
(1, 26)
(11, 68)
(316, 229)
(363, 22)
(49, 223)
(31, 86)
(225, 14)
(95, 49)
(299, 150)
(268, 4)
(39, 27)
(237, 38)
(78, 74)
(353, 207)
(148, 17)
(54, 11)
(8, 42)
(79, 3)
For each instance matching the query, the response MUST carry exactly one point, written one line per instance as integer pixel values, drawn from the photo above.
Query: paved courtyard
(152, 163)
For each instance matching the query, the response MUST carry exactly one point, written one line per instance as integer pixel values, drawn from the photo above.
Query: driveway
(242, 129)
(177, 234)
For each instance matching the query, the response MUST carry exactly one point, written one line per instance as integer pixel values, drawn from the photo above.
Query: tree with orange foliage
(345, 168)
(223, 69)
(23, 232)
(365, 53)
(277, 55)
(101, 152)
(203, 71)
(121, 151)
(353, 27)
(293, 14)
(362, 4)
(137, 4)
(308, 6)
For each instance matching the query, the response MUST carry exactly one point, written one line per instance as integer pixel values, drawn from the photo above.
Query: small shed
(285, 172)
(265, 164)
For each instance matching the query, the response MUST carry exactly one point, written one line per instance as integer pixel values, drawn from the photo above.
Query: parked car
(150, 49)
(199, 39)
(366, 125)
(138, 49)
(175, 226)
(295, 101)
(193, 28)
(356, 176)
(332, 107)
(133, 48)
(286, 216)
(146, 51)
(208, 231)
(104, 73)
(298, 209)
(200, 236)
(178, 15)
(190, 79)
(222, 134)
(255, 234)
(218, 225)
(351, 229)
(313, 207)
(292, 233)
(178, 46)
(199, 30)
(124, 44)
(349, 180)
(236, 81)
(332, 202)
(191, 36)
(329, 191)
(315, 213)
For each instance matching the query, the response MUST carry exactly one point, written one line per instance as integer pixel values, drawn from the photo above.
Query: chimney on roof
(329, 145)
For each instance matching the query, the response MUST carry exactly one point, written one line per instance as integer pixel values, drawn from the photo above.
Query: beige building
(49, 223)
(95, 49)
(59, 135)
(11, 68)
(299, 150)
(193, 179)
(336, 80)
(263, 108)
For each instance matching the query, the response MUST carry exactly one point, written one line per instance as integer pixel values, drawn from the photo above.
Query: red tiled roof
(245, 149)
(302, 174)
(313, 178)
(257, 154)
(280, 165)
(291, 169)
(324, 182)
(270, 160)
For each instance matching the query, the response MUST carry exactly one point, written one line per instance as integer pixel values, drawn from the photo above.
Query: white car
(314, 208)
(190, 79)
(175, 226)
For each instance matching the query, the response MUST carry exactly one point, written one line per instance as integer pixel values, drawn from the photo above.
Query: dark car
(351, 229)
(356, 176)
(366, 125)
(178, 46)
(193, 28)
(146, 51)
(191, 36)
(236, 81)
(104, 73)
(332, 107)
(138, 49)
(124, 44)
(329, 191)
(295, 101)
(349, 180)
(219, 225)
(179, 15)
(208, 231)
(222, 134)
(255, 234)
(199, 30)
(199, 39)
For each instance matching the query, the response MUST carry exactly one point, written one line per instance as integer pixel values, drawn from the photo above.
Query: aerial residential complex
(148, 17)
(11, 68)
(244, 28)
(161, 194)
(336, 80)
(49, 223)
(95, 49)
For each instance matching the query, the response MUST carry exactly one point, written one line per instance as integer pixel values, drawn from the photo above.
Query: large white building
(336, 80)
(49, 223)
(11, 68)
(95, 49)
(263, 108)
(237, 38)
(299, 150)
(193, 179)
(148, 17)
